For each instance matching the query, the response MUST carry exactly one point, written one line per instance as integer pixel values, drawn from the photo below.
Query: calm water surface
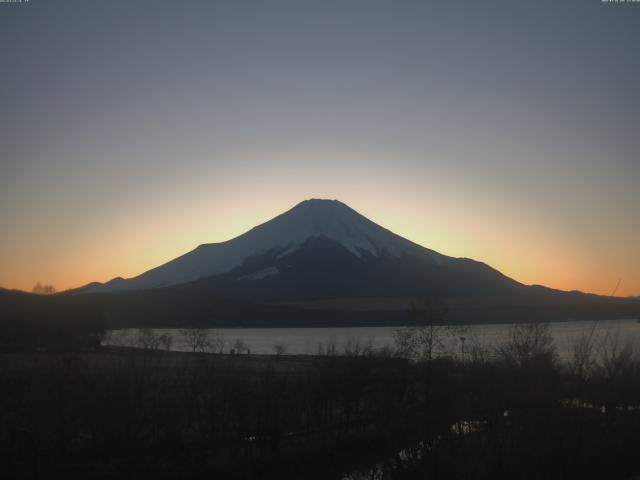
(307, 341)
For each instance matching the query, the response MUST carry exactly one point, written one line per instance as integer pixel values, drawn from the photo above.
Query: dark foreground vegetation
(70, 408)
(49, 322)
(514, 413)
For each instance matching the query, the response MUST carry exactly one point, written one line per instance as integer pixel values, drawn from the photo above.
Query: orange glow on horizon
(139, 246)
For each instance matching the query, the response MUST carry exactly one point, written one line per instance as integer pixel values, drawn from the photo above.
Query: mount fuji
(323, 263)
(321, 231)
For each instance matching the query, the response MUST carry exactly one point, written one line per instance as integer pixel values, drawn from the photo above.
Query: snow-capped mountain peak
(331, 219)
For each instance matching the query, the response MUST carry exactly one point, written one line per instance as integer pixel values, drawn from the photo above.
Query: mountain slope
(322, 268)
(285, 233)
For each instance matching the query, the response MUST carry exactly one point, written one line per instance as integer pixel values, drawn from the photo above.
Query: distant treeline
(174, 308)
(150, 413)
(49, 323)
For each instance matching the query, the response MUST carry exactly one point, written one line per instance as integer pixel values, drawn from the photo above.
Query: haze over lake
(306, 341)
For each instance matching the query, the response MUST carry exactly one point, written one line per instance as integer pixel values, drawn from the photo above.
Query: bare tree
(430, 334)
(196, 339)
(216, 342)
(583, 358)
(166, 341)
(617, 355)
(357, 348)
(279, 348)
(475, 351)
(45, 289)
(528, 343)
(148, 339)
(239, 345)
(329, 348)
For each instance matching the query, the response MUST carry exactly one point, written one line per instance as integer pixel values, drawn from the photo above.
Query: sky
(507, 132)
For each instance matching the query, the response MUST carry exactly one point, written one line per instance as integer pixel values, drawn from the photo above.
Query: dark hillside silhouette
(51, 323)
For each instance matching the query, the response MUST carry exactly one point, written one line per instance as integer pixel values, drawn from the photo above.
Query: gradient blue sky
(131, 131)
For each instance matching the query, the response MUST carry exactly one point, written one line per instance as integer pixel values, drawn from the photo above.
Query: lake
(309, 341)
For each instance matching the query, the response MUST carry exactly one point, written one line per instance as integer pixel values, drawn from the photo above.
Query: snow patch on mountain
(261, 274)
